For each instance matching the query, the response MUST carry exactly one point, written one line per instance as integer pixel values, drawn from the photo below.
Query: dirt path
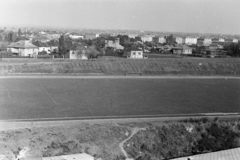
(134, 131)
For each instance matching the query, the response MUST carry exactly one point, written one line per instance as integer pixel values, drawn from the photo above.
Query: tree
(170, 40)
(19, 32)
(64, 44)
(80, 51)
(11, 37)
(91, 52)
(233, 49)
(99, 43)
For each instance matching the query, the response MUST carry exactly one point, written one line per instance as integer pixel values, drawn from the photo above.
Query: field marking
(130, 117)
(49, 95)
(114, 77)
(8, 94)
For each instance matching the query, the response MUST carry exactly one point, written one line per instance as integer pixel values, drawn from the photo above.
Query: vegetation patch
(194, 136)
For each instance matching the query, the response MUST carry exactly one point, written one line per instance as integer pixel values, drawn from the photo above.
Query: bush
(196, 120)
(217, 138)
(177, 141)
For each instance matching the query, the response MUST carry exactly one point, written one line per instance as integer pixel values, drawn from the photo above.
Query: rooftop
(22, 44)
(230, 154)
(82, 156)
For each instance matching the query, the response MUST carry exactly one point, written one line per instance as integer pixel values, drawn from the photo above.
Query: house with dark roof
(77, 51)
(42, 46)
(186, 50)
(134, 53)
(113, 43)
(207, 41)
(53, 44)
(23, 48)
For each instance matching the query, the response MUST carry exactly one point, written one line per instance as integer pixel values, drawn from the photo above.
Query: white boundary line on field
(49, 94)
(112, 77)
(126, 117)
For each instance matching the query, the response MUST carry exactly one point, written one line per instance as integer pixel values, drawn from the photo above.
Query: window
(134, 53)
(73, 52)
(139, 53)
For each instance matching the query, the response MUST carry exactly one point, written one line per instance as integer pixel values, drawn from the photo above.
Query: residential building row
(191, 40)
(25, 48)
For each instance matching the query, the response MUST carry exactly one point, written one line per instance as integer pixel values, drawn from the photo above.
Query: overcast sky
(203, 16)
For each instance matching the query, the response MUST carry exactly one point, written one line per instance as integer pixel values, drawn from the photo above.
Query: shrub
(217, 138)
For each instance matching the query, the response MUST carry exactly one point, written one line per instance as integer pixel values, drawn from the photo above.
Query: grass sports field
(27, 98)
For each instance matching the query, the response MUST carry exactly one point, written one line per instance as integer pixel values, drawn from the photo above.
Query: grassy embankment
(121, 66)
(160, 140)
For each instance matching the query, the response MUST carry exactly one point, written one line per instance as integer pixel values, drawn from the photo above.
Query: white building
(73, 54)
(235, 40)
(76, 36)
(114, 43)
(162, 40)
(179, 40)
(132, 35)
(189, 40)
(77, 52)
(42, 47)
(207, 41)
(134, 53)
(147, 38)
(23, 48)
(186, 50)
(221, 40)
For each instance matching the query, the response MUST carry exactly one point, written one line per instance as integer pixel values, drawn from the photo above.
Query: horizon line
(102, 29)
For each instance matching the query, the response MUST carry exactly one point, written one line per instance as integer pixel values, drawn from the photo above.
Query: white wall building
(162, 40)
(114, 43)
(23, 48)
(207, 41)
(76, 36)
(179, 40)
(147, 38)
(221, 40)
(189, 40)
(135, 54)
(73, 54)
(186, 50)
(235, 40)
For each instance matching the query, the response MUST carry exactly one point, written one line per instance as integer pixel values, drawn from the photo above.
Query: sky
(190, 16)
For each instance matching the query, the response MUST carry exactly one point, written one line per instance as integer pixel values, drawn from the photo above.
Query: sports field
(29, 98)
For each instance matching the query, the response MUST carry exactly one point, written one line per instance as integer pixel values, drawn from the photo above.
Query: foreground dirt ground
(98, 140)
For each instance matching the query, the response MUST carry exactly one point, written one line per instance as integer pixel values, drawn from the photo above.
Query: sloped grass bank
(164, 66)
(183, 139)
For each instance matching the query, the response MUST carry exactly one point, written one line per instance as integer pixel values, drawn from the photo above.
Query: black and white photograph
(119, 80)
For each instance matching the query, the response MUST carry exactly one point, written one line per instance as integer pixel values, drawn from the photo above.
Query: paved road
(61, 97)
